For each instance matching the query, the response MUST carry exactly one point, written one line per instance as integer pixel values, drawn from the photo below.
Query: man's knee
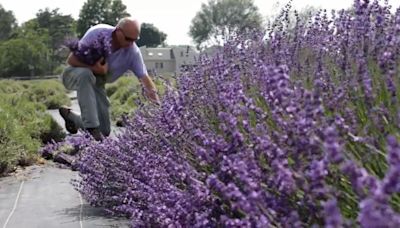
(75, 77)
(86, 76)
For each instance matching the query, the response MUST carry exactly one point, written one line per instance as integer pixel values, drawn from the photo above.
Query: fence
(31, 77)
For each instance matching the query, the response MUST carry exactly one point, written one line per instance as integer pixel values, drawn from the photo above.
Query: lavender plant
(92, 52)
(296, 129)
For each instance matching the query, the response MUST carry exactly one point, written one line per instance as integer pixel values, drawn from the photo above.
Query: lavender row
(292, 127)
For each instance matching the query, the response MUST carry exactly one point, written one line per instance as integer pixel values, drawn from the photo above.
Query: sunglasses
(127, 38)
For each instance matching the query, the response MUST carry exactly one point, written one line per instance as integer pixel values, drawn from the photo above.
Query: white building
(168, 59)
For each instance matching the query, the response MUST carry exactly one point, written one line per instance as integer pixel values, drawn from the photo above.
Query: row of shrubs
(126, 94)
(24, 123)
(25, 126)
(295, 127)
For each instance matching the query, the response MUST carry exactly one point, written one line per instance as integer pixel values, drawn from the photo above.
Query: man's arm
(97, 68)
(150, 89)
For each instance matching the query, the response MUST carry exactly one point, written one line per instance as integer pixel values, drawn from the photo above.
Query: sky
(172, 17)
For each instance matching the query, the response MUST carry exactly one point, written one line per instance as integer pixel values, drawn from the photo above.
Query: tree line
(36, 46)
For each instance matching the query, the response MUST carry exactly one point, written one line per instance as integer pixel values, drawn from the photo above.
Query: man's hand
(100, 68)
(150, 90)
(152, 95)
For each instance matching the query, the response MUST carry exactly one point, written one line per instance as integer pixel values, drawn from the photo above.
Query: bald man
(89, 80)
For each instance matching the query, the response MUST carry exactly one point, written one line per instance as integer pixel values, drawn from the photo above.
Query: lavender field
(294, 126)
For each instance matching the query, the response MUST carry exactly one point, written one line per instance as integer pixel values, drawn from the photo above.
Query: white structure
(168, 59)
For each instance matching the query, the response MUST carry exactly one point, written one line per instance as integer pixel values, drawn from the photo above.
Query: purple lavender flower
(285, 131)
(391, 183)
(90, 53)
(333, 217)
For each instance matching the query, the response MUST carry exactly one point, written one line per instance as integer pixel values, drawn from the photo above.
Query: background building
(168, 59)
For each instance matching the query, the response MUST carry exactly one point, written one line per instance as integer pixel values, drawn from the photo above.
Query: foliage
(35, 47)
(287, 129)
(304, 14)
(219, 19)
(126, 95)
(58, 27)
(100, 11)
(51, 93)
(7, 23)
(125, 99)
(24, 126)
(28, 52)
(150, 36)
(23, 57)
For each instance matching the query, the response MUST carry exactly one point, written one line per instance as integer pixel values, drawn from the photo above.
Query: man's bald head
(129, 24)
(127, 31)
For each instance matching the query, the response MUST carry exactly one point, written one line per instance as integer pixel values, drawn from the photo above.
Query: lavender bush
(90, 53)
(291, 128)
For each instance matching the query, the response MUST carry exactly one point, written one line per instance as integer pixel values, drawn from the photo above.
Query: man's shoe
(95, 132)
(69, 124)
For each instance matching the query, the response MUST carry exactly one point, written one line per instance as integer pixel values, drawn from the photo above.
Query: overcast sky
(173, 17)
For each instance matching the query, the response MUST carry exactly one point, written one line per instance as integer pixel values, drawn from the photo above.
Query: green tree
(100, 11)
(31, 30)
(117, 12)
(58, 27)
(151, 36)
(220, 19)
(292, 17)
(27, 53)
(22, 57)
(7, 23)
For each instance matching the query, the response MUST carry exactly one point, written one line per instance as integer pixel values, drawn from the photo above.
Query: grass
(24, 124)
(51, 93)
(126, 95)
